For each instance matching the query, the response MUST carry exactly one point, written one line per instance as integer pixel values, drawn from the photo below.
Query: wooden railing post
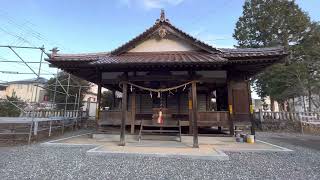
(260, 115)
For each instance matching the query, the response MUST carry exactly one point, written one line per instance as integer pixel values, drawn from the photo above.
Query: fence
(54, 113)
(32, 122)
(308, 122)
(294, 116)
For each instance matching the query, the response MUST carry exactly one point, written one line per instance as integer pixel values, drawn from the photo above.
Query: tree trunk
(309, 99)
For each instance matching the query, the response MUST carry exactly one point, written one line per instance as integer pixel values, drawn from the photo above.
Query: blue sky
(77, 26)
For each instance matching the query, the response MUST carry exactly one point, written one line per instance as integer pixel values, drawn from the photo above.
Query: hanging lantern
(159, 95)
(150, 94)
(131, 89)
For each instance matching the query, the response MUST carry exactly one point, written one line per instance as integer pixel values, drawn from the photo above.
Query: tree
(107, 99)
(308, 56)
(10, 107)
(266, 23)
(60, 89)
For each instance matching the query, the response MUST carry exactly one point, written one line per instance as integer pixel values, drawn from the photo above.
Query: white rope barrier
(160, 89)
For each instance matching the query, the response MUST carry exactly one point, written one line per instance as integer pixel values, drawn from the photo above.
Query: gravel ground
(39, 162)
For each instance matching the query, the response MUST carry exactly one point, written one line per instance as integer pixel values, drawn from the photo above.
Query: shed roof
(30, 81)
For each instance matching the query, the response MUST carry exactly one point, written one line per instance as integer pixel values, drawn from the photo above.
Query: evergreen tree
(266, 23)
(11, 107)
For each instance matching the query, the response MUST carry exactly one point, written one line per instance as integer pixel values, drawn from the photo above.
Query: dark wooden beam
(190, 111)
(230, 107)
(124, 113)
(113, 99)
(133, 111)
(253, 131)
(195, 114)
(98, 101)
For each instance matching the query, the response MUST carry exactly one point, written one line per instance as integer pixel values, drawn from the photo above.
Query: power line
(23, 47)
(16, 36)
(15, 72)
(19, 62)
(29, 30)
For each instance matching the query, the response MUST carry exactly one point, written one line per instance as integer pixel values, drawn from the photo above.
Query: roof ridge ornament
(162, 17)
(54, 52)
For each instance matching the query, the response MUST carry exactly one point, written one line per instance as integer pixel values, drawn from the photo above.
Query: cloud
(151, 4)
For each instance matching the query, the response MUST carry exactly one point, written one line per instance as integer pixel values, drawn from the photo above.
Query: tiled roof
(252, 52)
(206, 54)
(161, 57)
(80, 57)
(225, 56)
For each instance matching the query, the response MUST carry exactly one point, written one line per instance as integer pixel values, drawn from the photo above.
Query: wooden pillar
(251, 110)
(194, 115)
(190, 111)
(124, 113)
(98, 105)
(230, 107)
(113, 99)
(133, 111)
(208, 99)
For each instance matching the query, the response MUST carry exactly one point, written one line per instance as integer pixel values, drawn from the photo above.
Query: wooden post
(98, 105)
(260, 115)
(208, 101)
(230, 107)
(113, 99)
(124, 113)
(194, 115)
(133, 111)
(251, 110)
(190, 111)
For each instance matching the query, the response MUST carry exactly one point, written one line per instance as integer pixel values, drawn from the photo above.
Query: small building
(166, 68)
(28, 90)
(3, 87)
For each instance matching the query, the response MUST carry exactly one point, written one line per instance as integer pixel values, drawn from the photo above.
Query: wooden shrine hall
(165, 75)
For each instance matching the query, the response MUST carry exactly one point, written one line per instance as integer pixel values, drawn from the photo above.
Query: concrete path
(210, 148)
